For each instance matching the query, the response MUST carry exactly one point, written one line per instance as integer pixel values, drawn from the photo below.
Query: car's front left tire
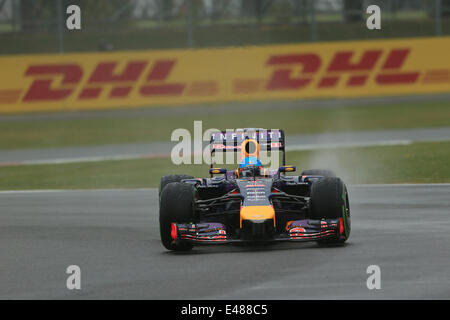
(165, 180)
(176, 206)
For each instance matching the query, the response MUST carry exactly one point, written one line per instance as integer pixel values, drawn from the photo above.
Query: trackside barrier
(176, 77)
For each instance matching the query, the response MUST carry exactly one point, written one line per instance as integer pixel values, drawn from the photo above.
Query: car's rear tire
(329, 200)
(318, 172)
(177, 205)
(171, 178)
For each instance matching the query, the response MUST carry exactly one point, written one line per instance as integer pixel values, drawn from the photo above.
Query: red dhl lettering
(105, 73)
(343, 62)
(290, 72)
(41, 89)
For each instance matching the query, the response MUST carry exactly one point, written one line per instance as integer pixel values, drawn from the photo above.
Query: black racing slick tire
(171, 178)
(318, 172)
(329, 200)
(176, 206)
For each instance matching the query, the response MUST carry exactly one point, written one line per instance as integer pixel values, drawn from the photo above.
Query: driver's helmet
(250, 167)
(250, 161)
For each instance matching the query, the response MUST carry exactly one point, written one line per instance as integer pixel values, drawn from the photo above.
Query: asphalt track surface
(113, 236)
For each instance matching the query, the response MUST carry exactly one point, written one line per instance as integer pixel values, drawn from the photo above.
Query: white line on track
(400, 185)
(72, 190)
(348, 145)
(301, 147)
(84, 159)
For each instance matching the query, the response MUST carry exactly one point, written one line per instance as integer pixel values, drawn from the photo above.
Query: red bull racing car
(252, 203)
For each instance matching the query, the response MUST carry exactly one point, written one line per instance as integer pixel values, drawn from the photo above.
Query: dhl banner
(177, 77)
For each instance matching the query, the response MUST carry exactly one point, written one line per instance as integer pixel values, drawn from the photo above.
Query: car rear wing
(231, 140)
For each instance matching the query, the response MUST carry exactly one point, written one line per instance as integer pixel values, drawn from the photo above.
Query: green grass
(276, 18)
(6, 27)
(31, 133)
(213, 35)
(416, 163)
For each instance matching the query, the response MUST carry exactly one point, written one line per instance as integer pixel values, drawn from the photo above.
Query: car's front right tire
(318, 172)
(329, 200)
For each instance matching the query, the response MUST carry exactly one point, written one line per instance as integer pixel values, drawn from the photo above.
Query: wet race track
(113, 236)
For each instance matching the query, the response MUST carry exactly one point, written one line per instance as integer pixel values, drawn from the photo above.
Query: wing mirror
(217, 171)
(287, 169)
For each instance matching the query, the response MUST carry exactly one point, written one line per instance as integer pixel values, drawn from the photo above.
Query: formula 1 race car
(252, 203)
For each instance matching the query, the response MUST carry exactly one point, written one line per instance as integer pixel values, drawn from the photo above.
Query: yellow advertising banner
(177, 77)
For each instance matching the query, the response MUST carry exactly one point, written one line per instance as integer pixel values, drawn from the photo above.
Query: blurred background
(403, 137)
(96, 120)
(38, 26)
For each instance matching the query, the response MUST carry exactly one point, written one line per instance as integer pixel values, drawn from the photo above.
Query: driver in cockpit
(250, 165)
